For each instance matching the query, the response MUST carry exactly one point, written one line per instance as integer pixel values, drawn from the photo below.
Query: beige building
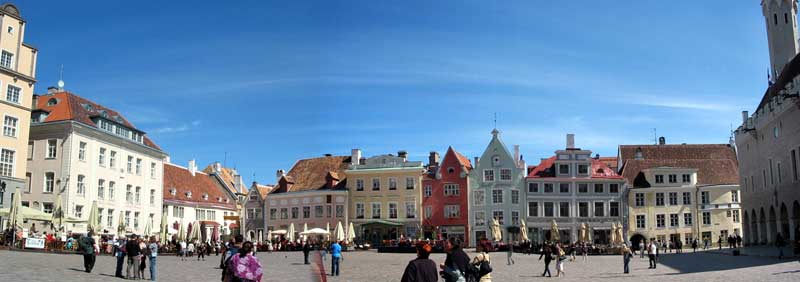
(17, 78)
(681, 192)
(385, 195)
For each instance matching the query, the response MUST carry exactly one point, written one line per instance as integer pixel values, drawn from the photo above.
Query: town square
(410, 141)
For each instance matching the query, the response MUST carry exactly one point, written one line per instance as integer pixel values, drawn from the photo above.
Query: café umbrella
(523, 231)
(181, 233)
(15, 214)
(57, 219)
(340, 232)
(497, 234)
(620, 236)
(121, 226)
(93, 221)
(613, 233)
(554, 236)
(351, 233)
(164, 228)
(290, 233)
(328, 228)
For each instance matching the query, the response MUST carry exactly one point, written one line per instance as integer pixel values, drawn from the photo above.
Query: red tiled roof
(263, 190)
(72, 107)
(611, 162)
(462, 159)
(688, 151)
(716, 164)
(199, 184)
(226, 174)
(546, 169)
(313, 174)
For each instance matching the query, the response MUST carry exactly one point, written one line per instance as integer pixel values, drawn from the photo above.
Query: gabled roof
(261, 189)
(464, 161)
(228, 177)
(72, 107)
(313, 174)
(672, 152)
(611, 162)
(199, 184)
(716, 164)
(546, 169)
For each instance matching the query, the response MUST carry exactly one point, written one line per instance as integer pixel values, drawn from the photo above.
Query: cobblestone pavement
(371, 266)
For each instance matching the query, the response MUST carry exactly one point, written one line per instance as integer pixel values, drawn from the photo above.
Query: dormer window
(88, 107)
(450, 170)
(563, 169)
(638, 154)
(583, 169)
(659, 178)
(189, 194)
(52, 102)
(172, 191)
(227, 201)
(205, 196)
(103, 113)
(219, 199)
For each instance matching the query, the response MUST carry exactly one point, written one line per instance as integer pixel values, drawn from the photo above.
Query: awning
(209, 222)
(382, 222)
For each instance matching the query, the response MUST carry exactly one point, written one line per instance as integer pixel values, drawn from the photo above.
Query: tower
(781, 19)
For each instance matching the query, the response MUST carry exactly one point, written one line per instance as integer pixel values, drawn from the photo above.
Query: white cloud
(176, 128)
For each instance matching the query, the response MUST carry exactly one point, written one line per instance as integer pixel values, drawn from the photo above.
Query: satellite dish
(60, 83)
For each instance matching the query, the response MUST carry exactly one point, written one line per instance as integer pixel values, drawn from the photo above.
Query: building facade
(17, 79)
(681, 192)
(768, 141)
(496, 189)
(87, 152)
(198, 198)
(445, 196)
(573, 188)
(312, 193)
(385, 194)
(255, 212)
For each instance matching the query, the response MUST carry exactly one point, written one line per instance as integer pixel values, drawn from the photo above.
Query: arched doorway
(762, 227)
(635, 239)
(773, 225)
(754, 228)
(784, 217)
(251, 235)
(746, 227)
(796, 219)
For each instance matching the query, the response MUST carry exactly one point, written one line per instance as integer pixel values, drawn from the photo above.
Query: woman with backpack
(244, 266)
(481, 263)
(456, 265)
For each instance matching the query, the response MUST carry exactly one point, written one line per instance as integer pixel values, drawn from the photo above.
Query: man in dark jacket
(119, 253)
(133, 252)
(421, 269)
(306, 250)
(547, 254)
(456, 258)
(87, 249)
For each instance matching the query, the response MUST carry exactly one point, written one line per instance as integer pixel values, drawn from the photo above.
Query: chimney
(192, 167)
(35, 102)
(516, 155)
(52, 90)
(237, 183)
(662, 140)
(570, 141)
(403, 154)
(355, 156)
(745, 115)
(362, 161)
(280, 173)
(433, 159)
(476, 162)
(522, 163)
(217, 167)
(167, 159)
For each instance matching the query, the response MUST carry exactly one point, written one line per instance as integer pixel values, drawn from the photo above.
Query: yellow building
(17, 78)
(681, 192)
(385, 195)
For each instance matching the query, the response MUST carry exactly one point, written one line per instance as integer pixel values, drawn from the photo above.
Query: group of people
(136, 254)
(457, 266)
(239, 262)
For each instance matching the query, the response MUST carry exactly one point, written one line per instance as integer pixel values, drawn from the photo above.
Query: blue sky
(270, 82)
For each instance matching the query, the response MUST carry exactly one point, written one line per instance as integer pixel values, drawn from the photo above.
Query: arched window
(775, 17)
(785, 18)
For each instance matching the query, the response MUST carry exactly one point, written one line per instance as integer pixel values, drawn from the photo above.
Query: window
(359, 184)
(488, 175)
(794, 164)
(376, 210)
(499, 216)
(548, 209)
(339, 210)
(736, 216)
(47, 208)
(659, 199)
(112, 160)
(152, 197)
(673, 198)
(479, 197)
(10, 126)
(563, 169)
(376, 184)
(687, 198)
(101, 193)
(392, 210)
(706, 218)
(687, 178)
(318, 211)
(641, 223)
(533, 187)
(583, 169)
(533, 209)
(410, 183)
(152, 170)
(111, 190)
(452, 211)
(659, 178)
(101, 157)
(129, 194)
(284, 213)
(548, 187)
(5, 59)
(639, 202)
(583, 209)
(497, 196)
(428, 212)
(13, 93)
(295, 212)
(563, 187)
(138, 193)
(505, 174)
(598, 188)
(704, 197)
(673, 220)
(613, 188)
(307, 211)
(599, 209)
(687, 219)
(392, 183)
(673, 178)
(515, 217)
(136, 220)
(613, 209)
(563, 209)
(51, 149)
(82, 151)
(49, 182)
(138, 166)
(515, 196)
(451, 190)
(780, 175)
(273, 213)
(480, 218)
(130, 164)
(81, 185)
(78, 211)
(660, 221)
(583, 188)
(6, 162)
(427, 191)
(734, 196)
(110, 218)
(30, 150)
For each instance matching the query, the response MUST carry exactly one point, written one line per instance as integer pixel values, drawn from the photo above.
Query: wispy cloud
(176, 128)
(708, 103)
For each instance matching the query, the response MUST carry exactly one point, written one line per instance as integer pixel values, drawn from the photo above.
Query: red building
(445, 196)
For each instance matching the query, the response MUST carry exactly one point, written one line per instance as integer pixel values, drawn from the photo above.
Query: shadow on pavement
(705, 262)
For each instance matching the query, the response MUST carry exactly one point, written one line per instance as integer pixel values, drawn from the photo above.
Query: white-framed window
(359, 184)
(515, 196)
(136, 220)
(687, 198)
(704, 198)
(427, 191)
(6, 59)
(548, 187)
(563, 209)
(128, 218)
(613, 209)
(498, 215)
(339, 210)
(7, 162)
(488, 175)
(30, 150)
(563, 187)
(376, 210)
(583, 169)
(411, 210)
(734, 196)
(686, 178)
(659, 199)
(661, 221)
(583, 209)
(563, 169)
(153, 170)
(497, 196)
(479, 197)
(81, 185)
(659, 178)
(736, 217)
(101, 190)
(49, 182)
(78, 212)
(152, 197)
(583, 188)
(111, 190)
(599, 209)
(112, 159)
(480, 218)
(82, 151)
(639, 199)
(706, 218)
(533, 209)
(13, 93)
(673, 220)
(673, 198)
(138, 166)
(687, 219)
(10, 126)
(673, 178)
(101, 157)
(613, 188)
(359, 210)
(428, 212)
(451, 189)
(505, 174)
(392, 183)
(129, 193)
(130, 164)
(641, 221)
(599, 188)
(533, 187)
(549, 209)
(138, 194)
(515, 217)
(110, 218)
(376, 184)
(51, 148)
(410, 183)
(392, 209)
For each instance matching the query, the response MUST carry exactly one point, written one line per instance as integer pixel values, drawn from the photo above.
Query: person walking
(306, 250)
(133, 252)
(719, 242)
(201, 251)
(87, 245)
(183, 250)
(560, 260)
(245, 266)
(626, 258)
(547, 254)
(336, 256)
(510, 253)
(652, 249)
(119, 253)
(778, 243)
(232, 249)
(456, 264)
(585, 251)
(143, 257)
(421, 269)
(694, 245)
(153, 253)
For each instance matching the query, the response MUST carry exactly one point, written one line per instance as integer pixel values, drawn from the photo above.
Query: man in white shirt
(652, 248)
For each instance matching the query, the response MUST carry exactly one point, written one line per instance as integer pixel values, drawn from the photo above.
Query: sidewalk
(758, 251)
